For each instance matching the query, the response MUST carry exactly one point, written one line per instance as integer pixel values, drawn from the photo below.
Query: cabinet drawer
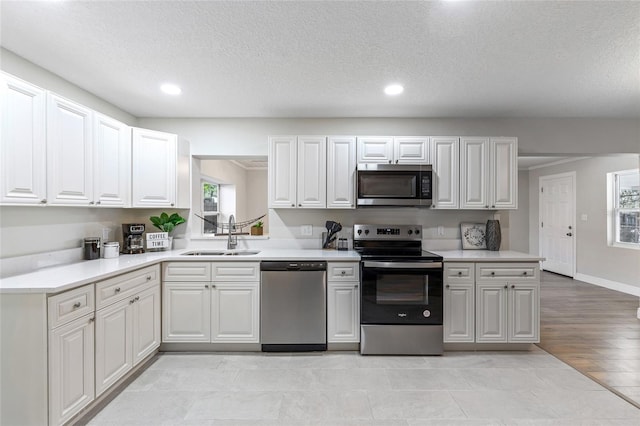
(67, 306)
(527, 272)
(347, 271)
(186, 271)
(235, 271)
(123, 286)
(455, 273)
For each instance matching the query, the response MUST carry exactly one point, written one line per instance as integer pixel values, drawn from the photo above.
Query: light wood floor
(594, 330)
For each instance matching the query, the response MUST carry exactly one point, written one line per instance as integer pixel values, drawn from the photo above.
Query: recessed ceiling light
(170, 89)
(393, 89)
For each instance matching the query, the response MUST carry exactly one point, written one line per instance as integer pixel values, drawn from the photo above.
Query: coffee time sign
(157, 240)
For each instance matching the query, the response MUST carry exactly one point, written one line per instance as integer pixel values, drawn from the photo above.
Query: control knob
(366, 231)
(359, 231)
(417, 231)
(410, 232)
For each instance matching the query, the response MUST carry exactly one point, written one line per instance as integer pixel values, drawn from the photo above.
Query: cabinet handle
(148, 277)
(459, 273)
(396, 161)
(355, 286)
(506, 286)
(171, 204)
(91, 202)
(299, 205)
(486, 207)
(131, 301)
(137, 298)
(206, 286)
(524, 273)
(117, 290)
(92, 320)
(293, 205)
(43, 201)
(513, 286)
(493, 207)
(389, 161)
(492, 273)
(447, 286)
(97, 202)
(343, 272)
(76, 305)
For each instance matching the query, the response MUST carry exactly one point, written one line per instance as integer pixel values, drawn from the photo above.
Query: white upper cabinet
(160, 170)
(503, 165)
(375, 149)
(312, 172)
(488, 173)
(444, 158)
(396, 150)
(111, 162)
(69, 152)
(341, 172)
(282, 170)
(23, 142)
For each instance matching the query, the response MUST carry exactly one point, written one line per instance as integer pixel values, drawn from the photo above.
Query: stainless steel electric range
(401, 308)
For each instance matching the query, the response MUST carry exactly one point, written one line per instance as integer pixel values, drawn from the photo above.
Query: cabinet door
(113, 344)
(524, 312)
(153, 168)
(312, 172)
(23, 143)
(71, 369)
(375, 149)
(146, 323)
(111, 162)
(341, 172)
(474, 173)
(282, 171)
(444, 157)
(504, 173)
(411, 150)
(235, 312)
(69, 153)
(343, 312)
(459, 313)
(186, 312)
(491, 312)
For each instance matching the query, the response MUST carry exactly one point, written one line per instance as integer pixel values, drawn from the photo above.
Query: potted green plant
(166, 223)
(257, 229)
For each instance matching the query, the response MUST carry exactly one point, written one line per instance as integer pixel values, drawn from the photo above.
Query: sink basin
(221, 253)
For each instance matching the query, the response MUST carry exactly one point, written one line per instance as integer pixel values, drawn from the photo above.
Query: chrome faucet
(232, 242)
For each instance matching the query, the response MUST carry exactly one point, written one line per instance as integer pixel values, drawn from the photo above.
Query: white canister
(111, 249)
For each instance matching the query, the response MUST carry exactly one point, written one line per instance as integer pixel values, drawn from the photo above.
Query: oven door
(401, 292)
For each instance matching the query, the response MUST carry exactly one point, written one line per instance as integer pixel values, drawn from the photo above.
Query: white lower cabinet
(343, 302)
(222, 308)
(71, 372)
(492, 302)
(128, 328)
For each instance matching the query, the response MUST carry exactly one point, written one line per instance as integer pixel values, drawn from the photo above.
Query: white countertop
(66, 277)
(486, 256)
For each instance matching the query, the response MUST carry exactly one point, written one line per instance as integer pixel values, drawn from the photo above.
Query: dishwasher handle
(293, 266)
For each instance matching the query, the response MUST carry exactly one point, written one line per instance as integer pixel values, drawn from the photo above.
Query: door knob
(569, 234)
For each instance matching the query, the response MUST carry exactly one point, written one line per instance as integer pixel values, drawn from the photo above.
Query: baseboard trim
(613, 285)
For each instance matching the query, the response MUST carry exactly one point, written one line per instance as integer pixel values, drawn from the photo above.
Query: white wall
(248, 136)
(519, 219)
(594, 257)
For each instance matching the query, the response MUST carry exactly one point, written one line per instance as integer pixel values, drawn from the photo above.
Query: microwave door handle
(403, 265)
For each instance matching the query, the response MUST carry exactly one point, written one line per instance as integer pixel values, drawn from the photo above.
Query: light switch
(583, 217)
(440, 230)
(306, 230)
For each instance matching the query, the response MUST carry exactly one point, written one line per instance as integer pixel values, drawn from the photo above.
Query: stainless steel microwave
(405, 185)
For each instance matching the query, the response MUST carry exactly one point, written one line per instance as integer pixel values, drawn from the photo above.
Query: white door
(343, 312)
(491, 312)
(312, 172)
(111, 162)
(235, 312)
(153, 168)
(445, 159)
(341, 172)
(557, 226)
(523, 312)
(71, 369)
(503, 167)
(146, 323)
(411, 150)
(459, 313)
(282, 170)
(23, 143)
(375, 149)
(186, 312)
(113, 344)
(474, 175)
(69, 153)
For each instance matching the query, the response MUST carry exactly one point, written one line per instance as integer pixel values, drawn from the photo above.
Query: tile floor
(345, 388)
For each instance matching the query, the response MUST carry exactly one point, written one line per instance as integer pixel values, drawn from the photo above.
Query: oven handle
(403, 265)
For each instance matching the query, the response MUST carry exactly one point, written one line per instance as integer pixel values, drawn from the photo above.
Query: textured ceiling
(332, 59)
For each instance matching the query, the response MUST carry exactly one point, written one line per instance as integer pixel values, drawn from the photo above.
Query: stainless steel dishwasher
(293, 306)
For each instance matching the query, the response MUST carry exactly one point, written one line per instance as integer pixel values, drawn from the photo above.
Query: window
(624, 188)
(210, 206)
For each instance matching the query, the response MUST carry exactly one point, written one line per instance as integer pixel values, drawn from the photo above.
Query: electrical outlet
(306, 230)
(583, 217)
(441, 231)
(105, 234)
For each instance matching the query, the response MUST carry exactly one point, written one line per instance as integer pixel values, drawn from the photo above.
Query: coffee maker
(133, 243)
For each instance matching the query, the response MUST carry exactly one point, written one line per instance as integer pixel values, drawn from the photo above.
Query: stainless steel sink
(221, 253)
